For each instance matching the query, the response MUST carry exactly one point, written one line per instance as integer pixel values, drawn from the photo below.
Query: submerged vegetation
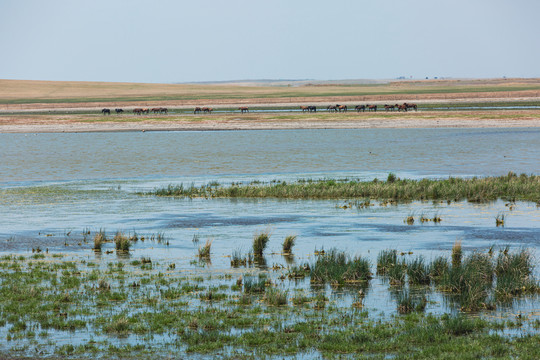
(510, 187)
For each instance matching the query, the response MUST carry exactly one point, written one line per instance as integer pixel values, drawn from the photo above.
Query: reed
(275, 297)
(255, 285)
(121, 242)
(337, 268)
(457, 253)
(514, 271)
(237, 259)
(407, 303)
(511, 187)
(418, 272)
(260, 240)
(385, 260)
(99, 239)
(204, 250)
(288, 244)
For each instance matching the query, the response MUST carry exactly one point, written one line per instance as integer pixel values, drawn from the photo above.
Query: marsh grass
(288, 243)
(99, 239)
(514, 272)
(204, 250)
(407, 303)
(237, 259)
(457, 253)
(276, 297)
(512, 187)
(500, 219)
(418, 272)
(385, 260)
(255, 285)
(122, 242)
(337, 268)
(260, 240)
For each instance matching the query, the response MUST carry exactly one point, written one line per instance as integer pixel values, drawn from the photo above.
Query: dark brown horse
(389, 107)
(156, 110)
(119, 111)
(197, 110)
(137, 111)
(207, 110)
(411, 106)
(371, 107)
(332, 108)
(360, 108)
(145, 111)
(243, 109)
(401, 107)
(106, 111)
(163, 110)
(312, 108)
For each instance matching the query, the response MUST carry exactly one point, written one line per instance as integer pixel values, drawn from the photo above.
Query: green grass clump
(514, 273)
(418, 272)
(288, 244)
(260, 240)
(255, 285)
(237, 259)
(99, 239)
(408, 303)
(457, 253)
(439, 267)
(385, 260)
(275, 297)
(204, 250)
(121, 242)
(337, 268)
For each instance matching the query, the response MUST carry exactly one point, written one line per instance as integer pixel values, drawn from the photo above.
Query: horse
(145, 110)
(389, 107)
(372, 107)
(304, 108)
(137, 111)
(106, 111)
(207, 110)
(312, 108)
(360, 107)
(156, 110)
(411, 106)
(119, 111)
(332, 108)
(341, 107)
(197, 110)
(163, 111)
(402, 107)
(243, 108)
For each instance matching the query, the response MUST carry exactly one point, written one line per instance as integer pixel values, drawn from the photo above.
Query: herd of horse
(368, 107)
(243, 109)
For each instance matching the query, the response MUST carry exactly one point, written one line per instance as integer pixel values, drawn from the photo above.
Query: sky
(169, 41)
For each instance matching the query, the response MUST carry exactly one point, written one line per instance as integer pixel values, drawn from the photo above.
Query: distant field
(71, 94)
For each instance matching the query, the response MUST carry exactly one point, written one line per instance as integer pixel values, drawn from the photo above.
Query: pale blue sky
(210, 40)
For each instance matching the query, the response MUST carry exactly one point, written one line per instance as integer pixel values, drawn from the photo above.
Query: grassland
(49, 92)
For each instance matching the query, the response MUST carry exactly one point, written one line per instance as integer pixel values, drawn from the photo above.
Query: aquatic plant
(457, 253)
(204, 251)
(237, 259)
(514, 271)
(418, 272)
(99, 239)
(275, 296)
(407, 303)
(523, 187)
(121, 242)
(338, 268)
(499, 219)
(255, 285)
(288, 243)
(385, 260)
(260, 240)
(439, 267)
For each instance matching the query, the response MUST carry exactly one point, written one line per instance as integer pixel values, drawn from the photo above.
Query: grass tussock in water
(511, 187)
(288, 244)
(337, 268)
(260, 240)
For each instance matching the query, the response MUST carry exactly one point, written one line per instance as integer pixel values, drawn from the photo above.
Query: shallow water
(55, 185)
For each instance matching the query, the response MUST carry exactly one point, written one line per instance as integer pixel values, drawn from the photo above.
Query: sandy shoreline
(188, 123)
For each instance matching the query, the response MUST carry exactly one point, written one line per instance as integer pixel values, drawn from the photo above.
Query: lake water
(52, 186)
